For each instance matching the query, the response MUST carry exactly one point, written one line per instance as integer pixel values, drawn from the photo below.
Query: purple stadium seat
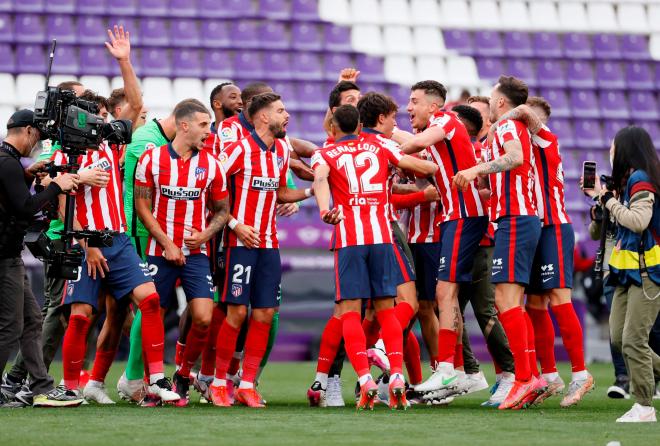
(304, 9)
(186, 32)
(215, 34)
(306, 37)
(92, 30)
(29, 28)
(311, 96)
(400, 94)
(156, 62)
(30, 59)
(614, 105)
(230, 9)
(522, 69)
(152, 8)
(275, 9)
(564, 131)
(488, 43)
(244, 34)
(550, 73)
(654, 130)
(311, 123)
(66, 60)
(6, 28)
(371, 86)
(460, 41)
(248, 65)
(122, 7)
(61, 27)
(371, 67)
(518, 44)
(307, 66)
(584, 104)
(611, 127)
(333, 63)
(273, 35)
(635, 47)
(217, 64)
(94, 60)
(589, 135)
(490, 69)
(337, 38)
(580, 74)
(577, 46)
(547, 45)
(558, 101)
(182, 8)
(187, 63)
(643, 105)
(609, 75)
(61, 6)
(29, 6)
(154, 32)
(7, 57)
(6, 5)
(277, 65)
(639, 76)
(287, 91)
(96, 7)
(606, 46)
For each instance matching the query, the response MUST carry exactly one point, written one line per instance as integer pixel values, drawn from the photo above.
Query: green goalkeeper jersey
(146, 137)
(48, 149)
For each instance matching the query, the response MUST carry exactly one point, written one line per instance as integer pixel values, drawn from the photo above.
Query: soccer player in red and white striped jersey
(354, 171)
(226, 102)
(511, 171)
(463, 218)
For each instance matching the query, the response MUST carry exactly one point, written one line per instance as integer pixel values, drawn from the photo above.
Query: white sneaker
(95, 391)
(443, 377)
(333, 395)
(474, 383)
(132, 390)
(163, 389)
(378, 357)
(638, 414)
(503, 389)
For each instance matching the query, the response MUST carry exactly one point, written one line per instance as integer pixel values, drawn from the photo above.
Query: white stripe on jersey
(445, 180)
(242, 192)
(519, 196)
(376, 229)
(190, 204)
(417, 222)
(270, 222)
(342, 227)
(359, 229)
(477, 200)
(538, 194)
(498, 185)
(559, 206)
(171, 204)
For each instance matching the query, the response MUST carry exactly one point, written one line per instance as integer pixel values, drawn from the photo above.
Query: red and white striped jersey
(549, 178)
(181, 189)
(423, 220)
(358, 179)
(481, 153)
(453, 154)
(512, 191)
(99, 208)
(374, 135)
(232, 130)
(254, 173)
(212, 143)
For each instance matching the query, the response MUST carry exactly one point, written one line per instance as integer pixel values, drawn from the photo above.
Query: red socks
(195, 343)
(330, 340)
(224, 348)
(544, 335)
(531, 348)
(74, 346)
(355, 342)
(208, 355)
(446, 345)
(571, 334)
(392, 337)
(371, 329)
(153, 333)
(411, 356)
(178, 353)
(458, 356)
(102, 362)
(255, 349)
(404, 313)
(515, 327)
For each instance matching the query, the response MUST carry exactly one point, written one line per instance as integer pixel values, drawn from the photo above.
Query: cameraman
(20, 318)
(635, 261)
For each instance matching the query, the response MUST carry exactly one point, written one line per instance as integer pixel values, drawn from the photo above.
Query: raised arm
(526, 115)
(422, 140)
(422, 167)
(120, 48)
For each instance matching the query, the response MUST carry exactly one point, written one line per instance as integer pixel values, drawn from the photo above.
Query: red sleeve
(232, 158)
(408, 201)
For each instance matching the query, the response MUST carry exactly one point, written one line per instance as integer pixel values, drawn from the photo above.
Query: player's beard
(227, 112)
(277, 130)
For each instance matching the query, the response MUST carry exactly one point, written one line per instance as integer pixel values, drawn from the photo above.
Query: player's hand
(94, 177)
(463, 178)
(96, 263)
(195, 239)
(120, 44)
(349, 75)
(287, 209)
(247, 235)
(332, 217)
(431, 193)
(67, 182)
(174, 254)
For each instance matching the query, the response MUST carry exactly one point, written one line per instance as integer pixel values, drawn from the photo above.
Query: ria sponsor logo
(265, 183)
(181, 193)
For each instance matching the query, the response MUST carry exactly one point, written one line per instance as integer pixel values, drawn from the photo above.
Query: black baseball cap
(21, 118)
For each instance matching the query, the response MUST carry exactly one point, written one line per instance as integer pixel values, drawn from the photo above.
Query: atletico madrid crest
(280, 162)
(236, 290)
(200, 173)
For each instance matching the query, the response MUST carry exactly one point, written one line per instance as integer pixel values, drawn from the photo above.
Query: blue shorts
(426, 257)
(515, 244)
(195, 276)
(127, 272)
(553, 261)
(366, 271)
(406, 270)
(252, 277)
(459, 243)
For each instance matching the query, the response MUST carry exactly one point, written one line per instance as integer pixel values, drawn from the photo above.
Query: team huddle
(467, 208)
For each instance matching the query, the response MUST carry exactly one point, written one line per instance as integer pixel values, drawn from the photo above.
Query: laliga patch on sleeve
(507, 128)
(226, 134)
(149, 146)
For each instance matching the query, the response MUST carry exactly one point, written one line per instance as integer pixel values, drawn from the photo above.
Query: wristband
(308, 192)
(232, 223)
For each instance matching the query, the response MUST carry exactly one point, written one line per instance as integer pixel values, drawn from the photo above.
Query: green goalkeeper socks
(135, 364)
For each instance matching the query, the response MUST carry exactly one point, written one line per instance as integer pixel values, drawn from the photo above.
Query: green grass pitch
(288, 421)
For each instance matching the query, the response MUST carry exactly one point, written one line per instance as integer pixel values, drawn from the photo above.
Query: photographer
(20, 318)
(635, 261)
